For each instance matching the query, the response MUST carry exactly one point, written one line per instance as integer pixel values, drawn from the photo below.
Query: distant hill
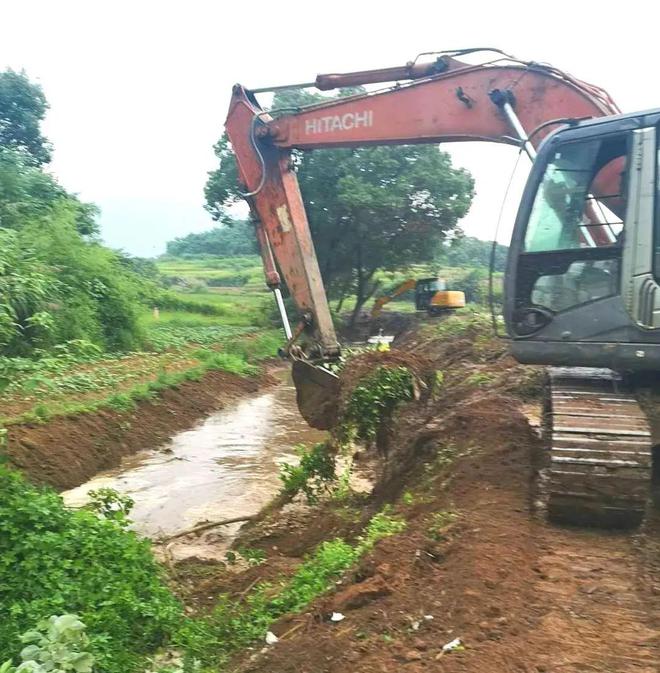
(234, 240)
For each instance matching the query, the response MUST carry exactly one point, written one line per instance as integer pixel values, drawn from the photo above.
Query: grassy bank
(197, 332)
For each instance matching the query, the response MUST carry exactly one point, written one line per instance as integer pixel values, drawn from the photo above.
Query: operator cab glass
(425, 288)
(572, 246)
(431, 285)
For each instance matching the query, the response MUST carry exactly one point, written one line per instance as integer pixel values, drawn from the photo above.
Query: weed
(342, 489)
(42, 412)
(254, 557)
(481, 378)
(121, 402)
(408, 498)
(437, 383)
(373, 401)
(439, 523)
(56, 644)
(314, 474)
(112, 505)
(233, 625)
(382, 525)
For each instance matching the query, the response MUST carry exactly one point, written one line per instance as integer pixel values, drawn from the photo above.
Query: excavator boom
(499, 100)
(578, 292)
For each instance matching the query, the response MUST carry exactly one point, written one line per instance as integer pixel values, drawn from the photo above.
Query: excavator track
(600, 458)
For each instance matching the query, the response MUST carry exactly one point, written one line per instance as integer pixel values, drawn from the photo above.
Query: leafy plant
(481, 378)
(439, 523)
(233, 625)
(111, 504)
(56, 645)
(373, 402)
(313, 475)
(54, 560)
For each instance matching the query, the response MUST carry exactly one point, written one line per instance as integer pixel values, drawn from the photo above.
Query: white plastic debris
(336, 617)
(428, 617)
(271, 638)
(415, 626)
(453, 645)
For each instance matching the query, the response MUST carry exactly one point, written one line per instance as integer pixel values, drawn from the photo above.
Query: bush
(314, 474)
(373, 402)
(55, 561)
(56, 286)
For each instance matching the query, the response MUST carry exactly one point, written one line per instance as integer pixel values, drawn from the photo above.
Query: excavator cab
(425, 289)
(581, 286)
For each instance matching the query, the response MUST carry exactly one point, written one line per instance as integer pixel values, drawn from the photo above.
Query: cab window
(574, 235)
(581, 199)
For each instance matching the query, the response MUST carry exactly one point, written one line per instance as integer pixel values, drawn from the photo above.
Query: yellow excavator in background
(431, 295)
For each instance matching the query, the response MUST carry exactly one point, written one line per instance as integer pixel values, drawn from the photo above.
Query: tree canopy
(368, 208)
(467, 251)
(57, 282)
(23, 106)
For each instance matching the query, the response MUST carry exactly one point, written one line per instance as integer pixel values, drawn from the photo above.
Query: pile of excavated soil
(68, 450)
(363, 365)
(521, 595)
(476, 561)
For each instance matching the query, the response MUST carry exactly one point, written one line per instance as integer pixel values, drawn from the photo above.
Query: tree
(467, 251)
(368, 208)
(22, 109)
(27, 193)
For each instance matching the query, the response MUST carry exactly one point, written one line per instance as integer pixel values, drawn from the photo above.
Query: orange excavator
(583, 271)
(431, 295)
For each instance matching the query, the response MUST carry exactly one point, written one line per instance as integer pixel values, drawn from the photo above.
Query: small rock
(271, 638)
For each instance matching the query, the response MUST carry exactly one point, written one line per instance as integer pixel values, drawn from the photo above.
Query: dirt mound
(69, 450)
(475, 564)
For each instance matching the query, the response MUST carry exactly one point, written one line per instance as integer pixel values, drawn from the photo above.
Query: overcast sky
(139, 90)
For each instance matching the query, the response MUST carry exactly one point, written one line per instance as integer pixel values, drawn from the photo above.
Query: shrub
(314, 474)
(374, 401)
(54, 561)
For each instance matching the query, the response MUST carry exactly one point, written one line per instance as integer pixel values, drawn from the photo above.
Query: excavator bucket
(317, 394)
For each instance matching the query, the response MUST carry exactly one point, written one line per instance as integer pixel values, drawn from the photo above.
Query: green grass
(214, 271)
(234, 625)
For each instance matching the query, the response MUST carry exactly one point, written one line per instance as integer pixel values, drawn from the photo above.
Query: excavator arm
(387, 298)
(500, 100)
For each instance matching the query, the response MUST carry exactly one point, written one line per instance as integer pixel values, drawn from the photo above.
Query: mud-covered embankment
(68, 450)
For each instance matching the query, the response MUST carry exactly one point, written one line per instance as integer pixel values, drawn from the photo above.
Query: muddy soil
(522, 595)
(477, 561)
(68, 450)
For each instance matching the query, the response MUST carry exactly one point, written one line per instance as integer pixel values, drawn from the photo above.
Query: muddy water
(225, 467)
